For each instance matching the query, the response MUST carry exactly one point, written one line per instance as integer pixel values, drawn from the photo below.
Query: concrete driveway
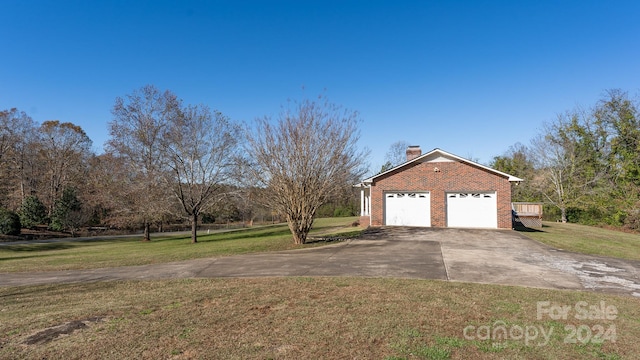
(509, 258)
(468, 255)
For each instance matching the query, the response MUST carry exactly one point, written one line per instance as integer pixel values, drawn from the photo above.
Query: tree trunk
(194, 228)
(146, 237)
(563, 214)
(299, 229)
(299, 238)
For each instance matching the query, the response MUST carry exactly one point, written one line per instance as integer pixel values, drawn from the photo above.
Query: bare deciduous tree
(199, 148)
(307, 156)
(114, 190)
(139, 121)
(64, 152)
(397, 153)
(17, 151)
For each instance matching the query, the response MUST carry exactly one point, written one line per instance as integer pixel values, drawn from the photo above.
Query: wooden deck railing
(527, 208)
(527, 214)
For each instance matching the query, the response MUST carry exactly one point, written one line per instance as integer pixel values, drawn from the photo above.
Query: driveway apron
(507, 257)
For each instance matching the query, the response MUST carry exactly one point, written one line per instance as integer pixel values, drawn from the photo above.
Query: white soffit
(437, 158)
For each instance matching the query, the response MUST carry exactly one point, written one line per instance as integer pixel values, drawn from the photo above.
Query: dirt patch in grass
(304, 318)
(51, 333)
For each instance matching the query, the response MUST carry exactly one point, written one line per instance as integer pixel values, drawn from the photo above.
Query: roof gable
(437, 155)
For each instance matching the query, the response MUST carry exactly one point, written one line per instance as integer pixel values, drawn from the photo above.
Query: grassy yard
(131, 251)
(300, 317)
(306, 318)
(589, 240)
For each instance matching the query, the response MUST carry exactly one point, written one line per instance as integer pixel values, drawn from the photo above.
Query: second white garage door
(407, 209)
(472, 210)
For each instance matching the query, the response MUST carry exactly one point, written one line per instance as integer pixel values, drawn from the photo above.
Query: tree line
(166, 160)
(584, 165)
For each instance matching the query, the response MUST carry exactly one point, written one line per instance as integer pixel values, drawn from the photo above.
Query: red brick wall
(451, 177)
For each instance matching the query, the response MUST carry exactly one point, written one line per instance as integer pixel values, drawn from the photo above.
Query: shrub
(342, 211)
(632, 221)
(616, 218)
(208, 218)
(325, 210)
(9, 222)
(585, 216)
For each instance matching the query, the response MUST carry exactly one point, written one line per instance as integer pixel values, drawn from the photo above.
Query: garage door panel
(407, 209)
(472, 210)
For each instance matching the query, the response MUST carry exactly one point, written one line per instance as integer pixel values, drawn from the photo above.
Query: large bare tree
(139, 122)
(17, 140)
(64, 153)
(303, 158)
(200, 149)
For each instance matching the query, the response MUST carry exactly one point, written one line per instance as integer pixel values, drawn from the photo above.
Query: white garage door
(472, 210)
(407, 209)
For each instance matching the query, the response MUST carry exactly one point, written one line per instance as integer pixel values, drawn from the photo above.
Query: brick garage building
(437, 189)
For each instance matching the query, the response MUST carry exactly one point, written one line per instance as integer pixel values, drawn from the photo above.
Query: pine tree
(66, 211)
(33, 212)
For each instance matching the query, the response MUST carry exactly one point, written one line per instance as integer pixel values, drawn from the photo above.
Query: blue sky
(469, 77)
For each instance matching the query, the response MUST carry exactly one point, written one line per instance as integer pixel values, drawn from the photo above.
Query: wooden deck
(527, 214)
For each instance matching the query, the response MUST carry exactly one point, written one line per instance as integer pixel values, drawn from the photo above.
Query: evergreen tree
(33, 212)
(66, 211)
(9, 223)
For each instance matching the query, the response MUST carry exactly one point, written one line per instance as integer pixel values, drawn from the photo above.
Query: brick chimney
(413, 152)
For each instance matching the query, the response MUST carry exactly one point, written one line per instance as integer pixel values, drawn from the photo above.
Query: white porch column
(367, 202)
(362, 202)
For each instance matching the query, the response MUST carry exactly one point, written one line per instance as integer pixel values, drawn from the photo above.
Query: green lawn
(588, 240)
(131, 251)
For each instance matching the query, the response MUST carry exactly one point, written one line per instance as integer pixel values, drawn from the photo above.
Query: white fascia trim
(511, 177)
(436, 150)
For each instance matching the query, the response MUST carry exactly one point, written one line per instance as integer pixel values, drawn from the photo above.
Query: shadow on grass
(20, 291)
(262, 233)
(248, 234)
(38, 247)
(132, 238)
(522, 228)
(335, 237)
(324, 241)
(19, 258)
